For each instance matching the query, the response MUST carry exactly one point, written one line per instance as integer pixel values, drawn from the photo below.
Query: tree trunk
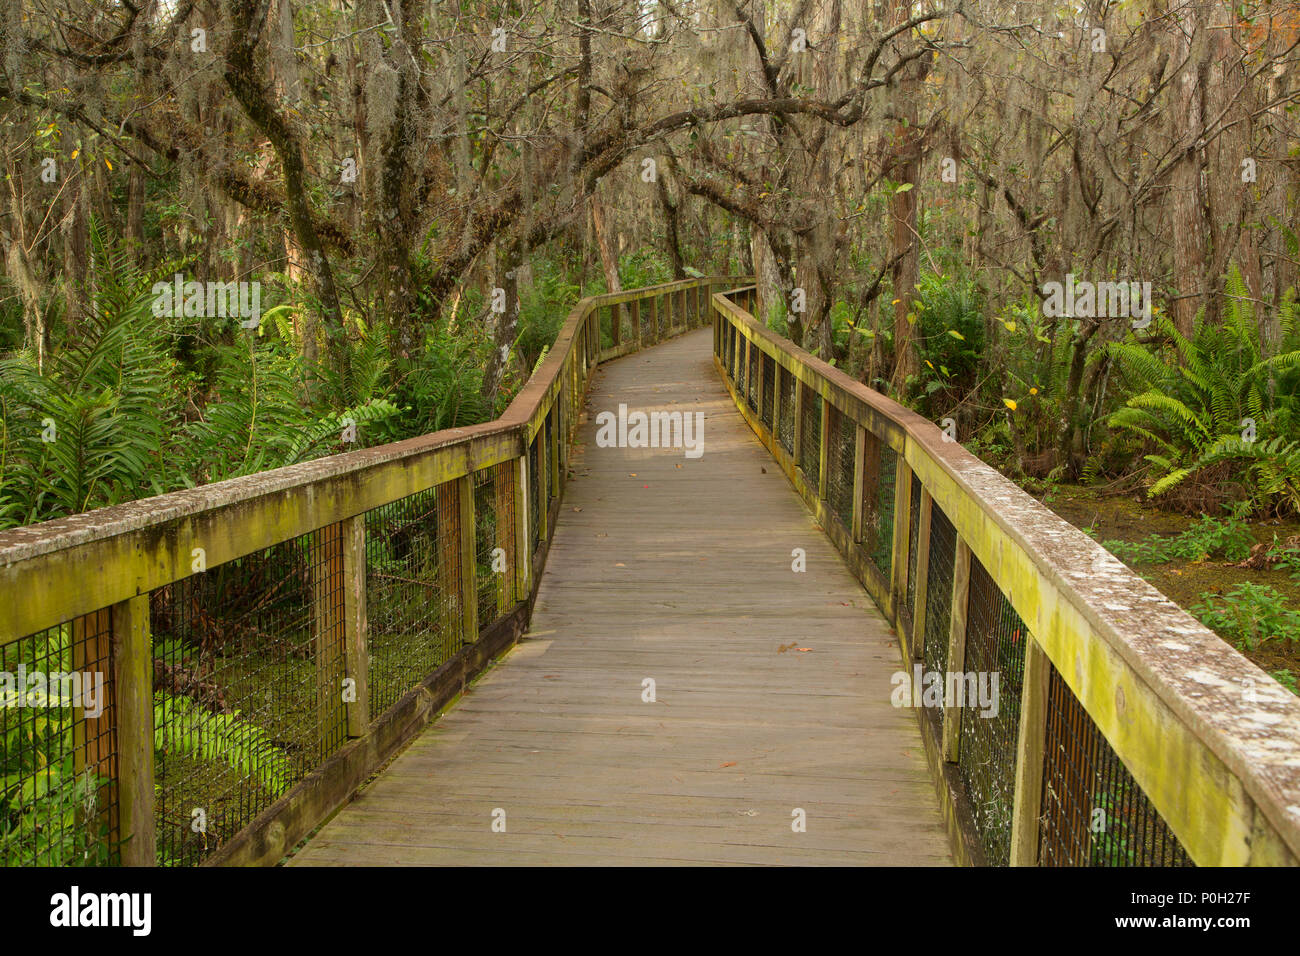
(1187, 198)
(605, 245)
(903, 216)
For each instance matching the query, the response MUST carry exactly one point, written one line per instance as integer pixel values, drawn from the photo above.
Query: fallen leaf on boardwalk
(761, 468)
(619, 564)
(577, 509)
(645, 486)
(729, 763)
(550, 676)
(631, 474)
(747, 813)
(601, 534)
(785, 647)
(679, 466)
(802, 649)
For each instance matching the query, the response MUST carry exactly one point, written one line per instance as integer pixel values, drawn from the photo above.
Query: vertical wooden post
(917, 644)
(615, 325)
(900, 560)
(635, 306)
(668, 315)
(468, 560)
(356, 653)
(798, 422)
(952, 713)
(133, 704)
(824, 450)
(1030, 745)
(859, 482)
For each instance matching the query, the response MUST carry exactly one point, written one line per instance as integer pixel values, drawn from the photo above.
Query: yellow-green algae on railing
(1127, 732)
(265, 643)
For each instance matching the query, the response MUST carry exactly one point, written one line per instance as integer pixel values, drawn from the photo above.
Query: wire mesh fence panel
(494, 539)
(752, 390)
(742, 369)
(413, 597)
(647, 320)
(878, 523)
(1093, 812)
(606, 322)
(534, 494)
(938, 598)
(552, 473)
(990, 720)
(769, 390)
(558, 412)
(913, 535)
(810, 440)
(842, 435)
(248, 677)
(626, 325)
(729, 349)
(58, 746)
(787, 411)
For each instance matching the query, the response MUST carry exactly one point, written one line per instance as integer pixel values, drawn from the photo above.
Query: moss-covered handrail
(1212, 741)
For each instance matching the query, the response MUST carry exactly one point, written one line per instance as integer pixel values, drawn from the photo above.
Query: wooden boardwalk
(677, 570)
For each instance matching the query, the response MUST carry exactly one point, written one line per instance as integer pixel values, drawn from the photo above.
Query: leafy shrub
(1208, 538)
(542, 310)
(949, 314)
(1248, 615)
(1286, 678)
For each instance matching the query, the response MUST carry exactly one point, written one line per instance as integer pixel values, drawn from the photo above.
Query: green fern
(183, 726)
(90, 431)
(1191, 405)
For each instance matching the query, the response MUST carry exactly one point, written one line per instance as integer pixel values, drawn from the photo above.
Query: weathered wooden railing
(1126, 733)
(268, 642)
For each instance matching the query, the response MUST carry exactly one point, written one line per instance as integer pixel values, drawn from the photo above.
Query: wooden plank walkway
(678, 570)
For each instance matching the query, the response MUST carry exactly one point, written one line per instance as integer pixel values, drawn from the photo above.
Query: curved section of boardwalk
(677, 570)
